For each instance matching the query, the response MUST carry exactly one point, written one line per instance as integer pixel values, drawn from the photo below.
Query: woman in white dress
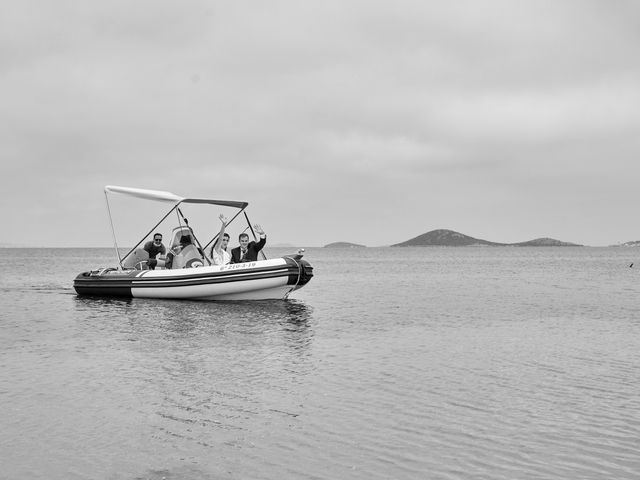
(219, 253)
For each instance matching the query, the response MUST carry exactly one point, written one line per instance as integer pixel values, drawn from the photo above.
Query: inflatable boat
(192, 274)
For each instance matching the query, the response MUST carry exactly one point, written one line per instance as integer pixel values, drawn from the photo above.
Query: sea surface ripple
(403, 363)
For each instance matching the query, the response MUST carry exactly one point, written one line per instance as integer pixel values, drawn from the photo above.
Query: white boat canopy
(156, 195)
(161, 196)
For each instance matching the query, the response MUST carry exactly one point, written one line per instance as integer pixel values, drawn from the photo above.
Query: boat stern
(105, 282)
(301, 274)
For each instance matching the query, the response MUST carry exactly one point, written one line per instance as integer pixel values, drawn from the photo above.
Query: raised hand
(258, 229)
(223, 219)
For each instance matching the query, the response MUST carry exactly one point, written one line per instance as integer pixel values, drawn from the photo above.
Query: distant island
(10, 245)
(344, 245)
(449, 238)
(545, 242)
(634, 243)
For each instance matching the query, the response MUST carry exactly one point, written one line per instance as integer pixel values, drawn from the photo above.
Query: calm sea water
(436, 363)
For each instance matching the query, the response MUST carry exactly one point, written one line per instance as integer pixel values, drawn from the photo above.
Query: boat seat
(188, 257)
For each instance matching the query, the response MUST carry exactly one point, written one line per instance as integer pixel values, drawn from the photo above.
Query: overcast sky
(363, 121)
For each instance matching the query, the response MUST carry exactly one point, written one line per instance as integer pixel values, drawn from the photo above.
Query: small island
(545, 242)
(449, 238)
(445, 238)
(633, 243)
(344, 245)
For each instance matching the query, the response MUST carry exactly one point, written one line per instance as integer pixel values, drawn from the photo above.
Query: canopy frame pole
(113, 231)
(264, 257)
(148, 233)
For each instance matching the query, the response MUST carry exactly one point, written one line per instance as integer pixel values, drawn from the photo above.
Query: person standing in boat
(219, 253)
(248, 251)
(153, 248)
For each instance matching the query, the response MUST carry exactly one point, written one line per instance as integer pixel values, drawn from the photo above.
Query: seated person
(153, 248)
(248, 251)
(184, 241)
(219, 252)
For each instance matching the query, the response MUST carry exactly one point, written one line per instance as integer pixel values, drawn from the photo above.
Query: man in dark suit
(248, 251)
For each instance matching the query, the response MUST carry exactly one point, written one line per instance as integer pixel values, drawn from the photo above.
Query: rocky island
(344, 245)
(449, 238)
(545, 242)
(633, 243)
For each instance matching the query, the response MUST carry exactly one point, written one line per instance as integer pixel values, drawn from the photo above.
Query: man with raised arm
(248, 251)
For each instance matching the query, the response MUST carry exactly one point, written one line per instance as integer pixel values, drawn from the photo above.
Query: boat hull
(260, 280)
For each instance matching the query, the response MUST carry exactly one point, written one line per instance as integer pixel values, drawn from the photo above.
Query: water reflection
(185, 317)
(191, 332)
(203, 367)
(298, 313)
(99, 311)
(99, 302)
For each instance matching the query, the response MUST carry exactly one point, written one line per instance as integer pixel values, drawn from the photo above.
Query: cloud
(391, 109)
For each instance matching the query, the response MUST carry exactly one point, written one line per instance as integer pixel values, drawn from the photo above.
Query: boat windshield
(178, 233)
